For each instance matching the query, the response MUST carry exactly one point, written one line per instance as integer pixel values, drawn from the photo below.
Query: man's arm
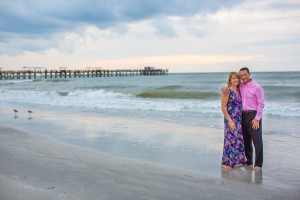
(259, 108)
(225, 91)
(260, 100)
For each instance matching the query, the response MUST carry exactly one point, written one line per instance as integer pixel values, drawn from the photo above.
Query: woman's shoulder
(231, 90)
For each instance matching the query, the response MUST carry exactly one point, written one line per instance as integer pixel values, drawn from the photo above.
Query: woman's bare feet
(226, 167)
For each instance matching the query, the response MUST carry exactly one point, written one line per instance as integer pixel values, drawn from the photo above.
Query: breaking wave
(178, 95)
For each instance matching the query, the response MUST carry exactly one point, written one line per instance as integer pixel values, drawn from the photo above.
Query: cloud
(175, 33)
(164, 28)
(34, 16)
(21, 21)
(176, 60)
(286, 5)
(278, 42)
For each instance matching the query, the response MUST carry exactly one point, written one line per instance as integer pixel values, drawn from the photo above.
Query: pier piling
(28, 73)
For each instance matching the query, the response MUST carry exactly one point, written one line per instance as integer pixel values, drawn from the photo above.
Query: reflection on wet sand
(243, 174)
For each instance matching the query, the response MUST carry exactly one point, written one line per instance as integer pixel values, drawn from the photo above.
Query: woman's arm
(224, 101)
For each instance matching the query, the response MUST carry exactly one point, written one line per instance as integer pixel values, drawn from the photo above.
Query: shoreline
(84, 156)
(38, 168)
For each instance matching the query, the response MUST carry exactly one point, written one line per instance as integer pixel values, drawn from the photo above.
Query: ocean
(187, 98)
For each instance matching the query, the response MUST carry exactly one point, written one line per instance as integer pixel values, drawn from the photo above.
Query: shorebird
(29, 111)
(15, 111)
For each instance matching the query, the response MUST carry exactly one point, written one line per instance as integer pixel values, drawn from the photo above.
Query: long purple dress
(234, 151)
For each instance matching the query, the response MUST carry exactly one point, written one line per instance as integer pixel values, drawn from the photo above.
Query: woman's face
(234, 80)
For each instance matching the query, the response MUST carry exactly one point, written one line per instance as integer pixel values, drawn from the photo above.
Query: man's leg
(246, 122)
(258, 144)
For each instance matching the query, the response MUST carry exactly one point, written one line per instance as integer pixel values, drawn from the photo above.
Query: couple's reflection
(243, 174)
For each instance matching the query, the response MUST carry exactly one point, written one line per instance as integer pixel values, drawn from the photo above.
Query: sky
(181, 35)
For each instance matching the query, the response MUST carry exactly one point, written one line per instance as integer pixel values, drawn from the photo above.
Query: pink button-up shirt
(253, 97)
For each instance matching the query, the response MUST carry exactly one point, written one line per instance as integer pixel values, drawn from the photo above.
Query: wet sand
(35, 165)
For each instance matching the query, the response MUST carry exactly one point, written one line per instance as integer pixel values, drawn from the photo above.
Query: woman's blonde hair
(230, 76)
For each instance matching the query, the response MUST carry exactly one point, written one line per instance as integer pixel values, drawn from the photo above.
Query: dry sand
(36, 167)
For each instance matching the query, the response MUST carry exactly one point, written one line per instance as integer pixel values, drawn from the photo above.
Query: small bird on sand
(15, 111)
(29, 111)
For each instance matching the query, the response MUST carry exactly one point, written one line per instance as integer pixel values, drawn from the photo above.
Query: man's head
(245, 75)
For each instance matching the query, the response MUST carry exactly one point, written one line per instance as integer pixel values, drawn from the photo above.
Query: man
(253, 104)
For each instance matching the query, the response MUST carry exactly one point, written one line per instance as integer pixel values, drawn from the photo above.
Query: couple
(242, 104)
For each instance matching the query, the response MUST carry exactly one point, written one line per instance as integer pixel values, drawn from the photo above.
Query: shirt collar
(249, 83)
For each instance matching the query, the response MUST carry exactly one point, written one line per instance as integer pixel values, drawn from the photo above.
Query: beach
(147, 159)
(125, 100)
(152, 137)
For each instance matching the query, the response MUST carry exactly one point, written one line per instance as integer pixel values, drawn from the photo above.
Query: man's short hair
(245, 68)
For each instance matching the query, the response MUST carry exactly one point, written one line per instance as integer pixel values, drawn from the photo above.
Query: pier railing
(63, 73)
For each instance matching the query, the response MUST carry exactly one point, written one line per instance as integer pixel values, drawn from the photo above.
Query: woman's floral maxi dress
(234, 151)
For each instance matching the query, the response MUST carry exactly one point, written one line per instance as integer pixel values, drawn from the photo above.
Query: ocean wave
(105, 87)
(6, 83)
(178, 95)
(10, 82)
(297, 135)
(57, 80)
(286, 88)
(202, 103)
(63, 93)
(170, 87)
(95, 95)
(284, 96)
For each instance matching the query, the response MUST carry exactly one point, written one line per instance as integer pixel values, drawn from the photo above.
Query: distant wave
(170, 87)
(6, 83)
(57, 80)
(106, 87)
(288, 93)
(178, 95)
(63, 93)
(15, 81)
(277, 87)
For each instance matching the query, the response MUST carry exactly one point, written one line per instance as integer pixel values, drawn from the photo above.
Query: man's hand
(225, 91)
(255, 124)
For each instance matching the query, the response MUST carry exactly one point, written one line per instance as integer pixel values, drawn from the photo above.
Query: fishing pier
(43, 73)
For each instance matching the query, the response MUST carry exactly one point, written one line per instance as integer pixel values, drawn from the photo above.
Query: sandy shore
(54, 155)
(36, 167)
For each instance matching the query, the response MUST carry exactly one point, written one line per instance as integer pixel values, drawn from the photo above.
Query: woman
(231, 105)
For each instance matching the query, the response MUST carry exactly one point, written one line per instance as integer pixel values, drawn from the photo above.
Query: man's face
(245, 76)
